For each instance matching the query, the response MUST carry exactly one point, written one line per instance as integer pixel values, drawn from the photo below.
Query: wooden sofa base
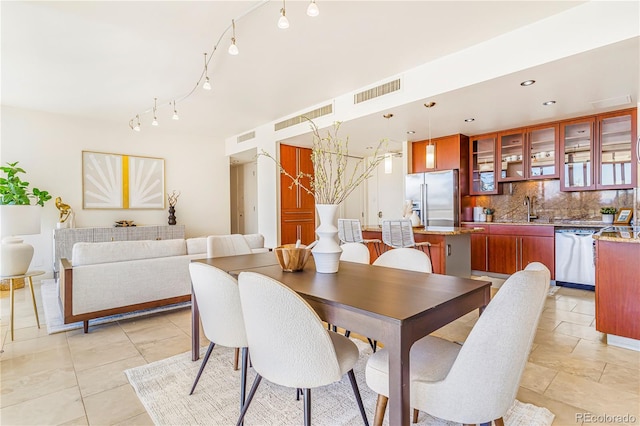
(66, 296)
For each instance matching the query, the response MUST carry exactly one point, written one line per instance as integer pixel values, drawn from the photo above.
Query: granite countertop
(625, 234)
(545, 222)
(433, 230)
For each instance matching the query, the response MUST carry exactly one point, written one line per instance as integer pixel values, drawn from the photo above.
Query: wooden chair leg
(499, 421)
(236, 355)
(381, 407)
(415, 416)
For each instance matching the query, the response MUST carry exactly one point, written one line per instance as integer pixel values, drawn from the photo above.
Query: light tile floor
(76, 379)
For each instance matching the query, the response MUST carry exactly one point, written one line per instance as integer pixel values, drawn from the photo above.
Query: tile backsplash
(548, 202)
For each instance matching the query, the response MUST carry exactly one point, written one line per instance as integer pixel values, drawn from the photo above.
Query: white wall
(49, 147)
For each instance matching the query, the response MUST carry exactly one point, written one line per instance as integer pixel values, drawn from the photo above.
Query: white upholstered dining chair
(355, 252)
(289, 345)
(405, 258)
(478, 381)
(218, 298)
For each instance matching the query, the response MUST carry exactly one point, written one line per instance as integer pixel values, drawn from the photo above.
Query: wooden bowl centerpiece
(292, 258)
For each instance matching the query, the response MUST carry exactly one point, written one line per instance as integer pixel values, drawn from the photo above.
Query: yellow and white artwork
(116, 181)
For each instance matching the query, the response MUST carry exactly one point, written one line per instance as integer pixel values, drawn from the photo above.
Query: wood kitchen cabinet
(505, 249)
(616, 153)
(528, 153)
(483, 165)
(479, 254)
(599, 152)
(451, 152)
(297, 207)
(617, 288)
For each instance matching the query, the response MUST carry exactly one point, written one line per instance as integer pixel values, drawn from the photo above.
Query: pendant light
(233, 49)
(207, 83)
(388, 157)
(283, 22)
(312, 9)
(155, 108)
(175, 112)
(430, 155)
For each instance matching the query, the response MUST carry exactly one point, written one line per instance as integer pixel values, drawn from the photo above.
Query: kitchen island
(450, 249)
(618, 286)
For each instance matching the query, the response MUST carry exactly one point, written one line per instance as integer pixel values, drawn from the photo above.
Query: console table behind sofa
(64, 239)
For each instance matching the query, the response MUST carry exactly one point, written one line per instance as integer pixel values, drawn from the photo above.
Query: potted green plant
(608, 213)
(19, 217)
(489, 212)
(15, 191)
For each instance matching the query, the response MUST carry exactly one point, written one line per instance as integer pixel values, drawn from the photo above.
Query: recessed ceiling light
(411, 132)
(469, 120)
(527, 83)
(548, 103)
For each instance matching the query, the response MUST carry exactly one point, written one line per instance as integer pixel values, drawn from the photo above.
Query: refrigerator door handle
(423, 203)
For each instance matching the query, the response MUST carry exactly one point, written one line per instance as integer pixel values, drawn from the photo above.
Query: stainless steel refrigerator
(434, 196)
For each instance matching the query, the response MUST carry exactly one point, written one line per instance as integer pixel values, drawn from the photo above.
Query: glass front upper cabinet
(616, 150)
(510, 155)
(483, 160)
(543, 158)
(576, 142)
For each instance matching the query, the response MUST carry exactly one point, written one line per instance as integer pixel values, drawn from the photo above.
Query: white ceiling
(109, 59)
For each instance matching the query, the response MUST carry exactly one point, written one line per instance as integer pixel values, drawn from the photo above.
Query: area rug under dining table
(163, 388)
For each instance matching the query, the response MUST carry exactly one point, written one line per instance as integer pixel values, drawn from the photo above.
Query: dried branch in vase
(332, 182)
(173, 198)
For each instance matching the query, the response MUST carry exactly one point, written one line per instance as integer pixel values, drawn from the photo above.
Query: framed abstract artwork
(117, 181)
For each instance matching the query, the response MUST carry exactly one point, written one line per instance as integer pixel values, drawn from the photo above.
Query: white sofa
(115, 277)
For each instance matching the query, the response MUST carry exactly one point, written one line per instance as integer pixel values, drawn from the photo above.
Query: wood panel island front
(450, 249)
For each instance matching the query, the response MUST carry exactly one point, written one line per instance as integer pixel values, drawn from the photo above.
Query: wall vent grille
(246, 137)
(383, 89)
(319, 112)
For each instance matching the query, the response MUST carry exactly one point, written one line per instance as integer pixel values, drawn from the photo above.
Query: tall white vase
(326, 253)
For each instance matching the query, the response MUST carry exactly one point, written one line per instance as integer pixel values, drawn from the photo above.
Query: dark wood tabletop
(394, 306)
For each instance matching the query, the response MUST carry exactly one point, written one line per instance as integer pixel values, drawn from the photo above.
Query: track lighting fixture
(233, 49)
(312, 9)
(283, 22)
(175, 112)
(207, 83)
(155, 108)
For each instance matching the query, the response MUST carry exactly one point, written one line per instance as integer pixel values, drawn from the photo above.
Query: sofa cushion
(227, 245)
(255, 241)
(196, 245)
(119, 251)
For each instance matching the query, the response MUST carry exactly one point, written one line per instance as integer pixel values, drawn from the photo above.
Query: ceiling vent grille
(319, 112)
(246, 137)
(383, 89)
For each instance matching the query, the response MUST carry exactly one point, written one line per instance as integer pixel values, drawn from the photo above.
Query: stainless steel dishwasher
(575, 265)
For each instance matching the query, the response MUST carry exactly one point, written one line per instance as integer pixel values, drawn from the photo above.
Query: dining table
(393, 306)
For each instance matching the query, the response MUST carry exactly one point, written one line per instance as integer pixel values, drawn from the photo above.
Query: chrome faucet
(528, 202)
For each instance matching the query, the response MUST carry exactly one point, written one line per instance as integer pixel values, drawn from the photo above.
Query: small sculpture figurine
(66, 214)
(173, 199)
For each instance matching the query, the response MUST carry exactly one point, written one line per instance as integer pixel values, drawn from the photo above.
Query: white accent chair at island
(478, 381)
(350, 231)
(289, 345)
(218, 298)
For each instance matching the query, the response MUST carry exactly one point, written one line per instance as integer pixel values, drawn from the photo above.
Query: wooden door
(537, 249)
(502, 250)
(479, 259)
(297, 207)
